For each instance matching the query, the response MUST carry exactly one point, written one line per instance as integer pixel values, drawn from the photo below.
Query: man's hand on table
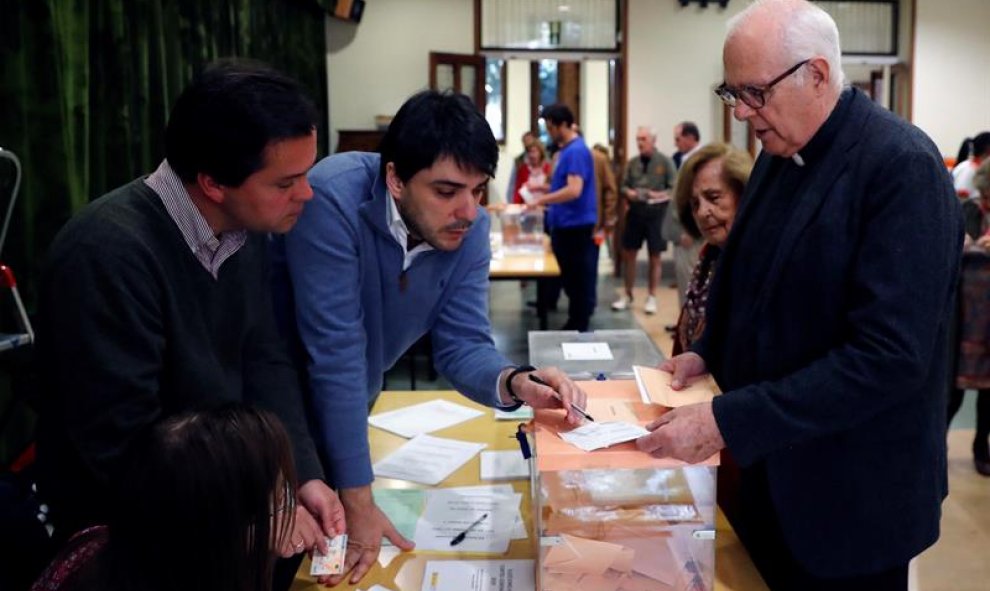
(688, 433)
(560, 392)
(366, 524)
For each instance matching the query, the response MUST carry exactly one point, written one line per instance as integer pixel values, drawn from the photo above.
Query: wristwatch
(508, 381)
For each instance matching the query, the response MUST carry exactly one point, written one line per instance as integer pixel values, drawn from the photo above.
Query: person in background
(155, 297)
(963, 173)
(687, 139)
(528, 139)
(825, 327)
(607, 192)
(709, 186)
(572, 214)
(394, 246)
(972, 369)
(204, 502)
(533, 173)
(646, 189)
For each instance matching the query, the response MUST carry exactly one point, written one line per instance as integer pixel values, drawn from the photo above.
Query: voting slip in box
(617, 519)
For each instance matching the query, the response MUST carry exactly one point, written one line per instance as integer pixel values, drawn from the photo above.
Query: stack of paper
(504, 465)
(427, 459)
(425, 417)
(523, 413)
(592, 436)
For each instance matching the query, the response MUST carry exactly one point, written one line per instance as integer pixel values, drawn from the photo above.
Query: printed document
(486, 520)
(479, 575)
(425, 417)
(427, 459)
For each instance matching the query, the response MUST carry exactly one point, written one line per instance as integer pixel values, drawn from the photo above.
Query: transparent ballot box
(522, 230)
(617, 518)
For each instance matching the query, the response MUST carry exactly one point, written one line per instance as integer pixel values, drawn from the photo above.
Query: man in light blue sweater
(392, 247)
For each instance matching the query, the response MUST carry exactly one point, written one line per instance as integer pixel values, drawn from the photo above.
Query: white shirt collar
(397, 226)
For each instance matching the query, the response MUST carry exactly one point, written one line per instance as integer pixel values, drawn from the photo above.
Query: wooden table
(523, 267)
(401, 571)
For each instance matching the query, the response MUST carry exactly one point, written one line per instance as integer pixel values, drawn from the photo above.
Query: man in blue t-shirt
(571, 216)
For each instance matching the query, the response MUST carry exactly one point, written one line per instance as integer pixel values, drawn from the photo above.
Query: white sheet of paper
(449, 512)
(587, 352)
(425, 417)
(504, 465)
(592, 436)
(377, 588)
(526, 194)
(427, 459)
(479, 575)
(518, 526)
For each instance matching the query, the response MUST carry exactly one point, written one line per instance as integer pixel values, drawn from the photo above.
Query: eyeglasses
(755, 97)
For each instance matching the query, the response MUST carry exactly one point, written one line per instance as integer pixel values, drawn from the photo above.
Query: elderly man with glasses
(827, 322)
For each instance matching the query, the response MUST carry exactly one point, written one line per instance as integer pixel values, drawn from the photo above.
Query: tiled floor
(959, 561)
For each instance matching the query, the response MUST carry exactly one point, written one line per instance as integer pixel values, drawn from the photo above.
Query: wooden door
(463, 73)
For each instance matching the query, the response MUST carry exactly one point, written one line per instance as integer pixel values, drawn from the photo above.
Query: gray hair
(649, 131)
(804, 30)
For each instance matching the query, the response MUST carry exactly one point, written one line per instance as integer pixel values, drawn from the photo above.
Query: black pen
(536, 379)
(460, 537)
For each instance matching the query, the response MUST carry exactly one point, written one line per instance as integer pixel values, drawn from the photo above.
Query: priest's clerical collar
(820, 142)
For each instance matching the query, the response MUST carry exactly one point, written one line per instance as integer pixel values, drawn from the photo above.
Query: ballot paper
(486, 520)
(587, 352)
(654, 387)
(504, 465)
(427, 459)
(479, 575)
(425, 417)
(591, 436)
(331, 563)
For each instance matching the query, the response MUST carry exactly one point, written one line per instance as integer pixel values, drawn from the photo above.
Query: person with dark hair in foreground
(203, 500)
(395, 246)
(826, 324)
(155, 298)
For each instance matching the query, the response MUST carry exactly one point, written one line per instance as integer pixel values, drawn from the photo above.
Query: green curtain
(85, 92)
(86, 87)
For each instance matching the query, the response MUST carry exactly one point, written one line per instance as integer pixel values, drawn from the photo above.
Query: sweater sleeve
(321, 254)
(462, 344)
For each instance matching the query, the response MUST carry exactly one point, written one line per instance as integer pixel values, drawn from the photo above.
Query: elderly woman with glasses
(707, 196)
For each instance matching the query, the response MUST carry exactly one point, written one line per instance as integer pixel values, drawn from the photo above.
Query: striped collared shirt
(210, 249)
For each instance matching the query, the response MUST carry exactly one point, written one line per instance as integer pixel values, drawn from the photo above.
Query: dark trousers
(760, 532)
(577, 256)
